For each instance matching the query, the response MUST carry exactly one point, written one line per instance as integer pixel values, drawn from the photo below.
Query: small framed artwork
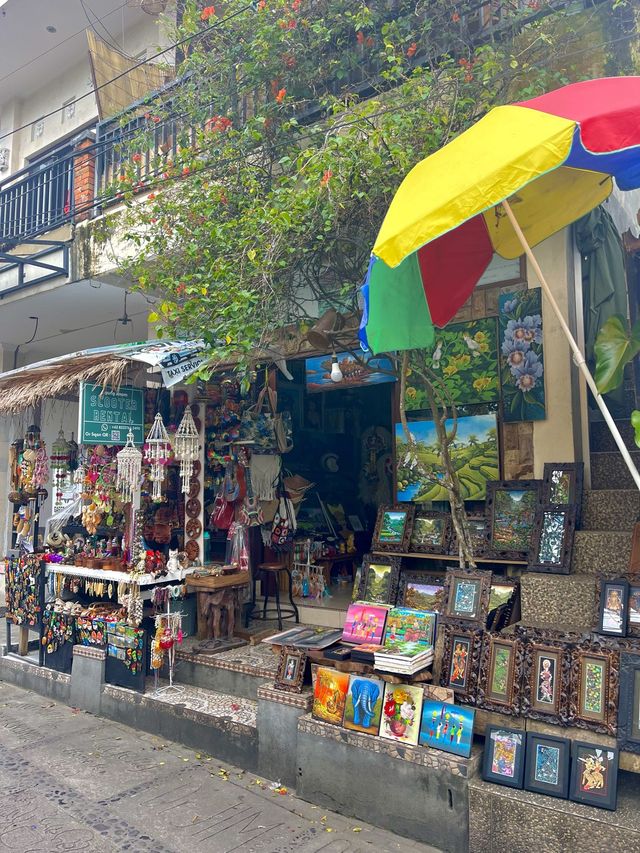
(614, 602)
(553, 540)
(511, 515)
(447, 727)
(595, 673)
(633, 607)
(547, 765)
(401, 713)
(500, 674)
(479, 532)
(291, 670)
(503, 598)
(461, 661)
(562, 484)
(330, 695)
(546, 680)
(393, 528)
(421, 591)
(431, 533)
(594, 775)
(629, 710)
(467, 595)
(503, 760)
(364, 623)
(363, 707)
(379, 579)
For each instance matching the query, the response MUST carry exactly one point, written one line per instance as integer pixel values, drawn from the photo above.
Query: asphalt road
(74, 783)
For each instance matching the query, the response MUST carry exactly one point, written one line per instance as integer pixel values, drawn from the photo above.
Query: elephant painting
(363, 711)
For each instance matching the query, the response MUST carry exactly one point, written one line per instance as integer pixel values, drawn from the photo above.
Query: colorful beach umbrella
(551, 159)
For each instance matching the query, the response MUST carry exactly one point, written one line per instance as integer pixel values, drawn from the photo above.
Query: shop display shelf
(107, 575)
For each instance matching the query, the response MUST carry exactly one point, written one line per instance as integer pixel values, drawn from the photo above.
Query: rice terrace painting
(474, 454)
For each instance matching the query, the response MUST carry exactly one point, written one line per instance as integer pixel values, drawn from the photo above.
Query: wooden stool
(273, 570)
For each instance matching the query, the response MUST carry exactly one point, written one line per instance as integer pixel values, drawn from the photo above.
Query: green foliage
(615, 347)
(294, 124)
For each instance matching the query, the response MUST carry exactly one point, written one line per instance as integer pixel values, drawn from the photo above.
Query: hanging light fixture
(336, 373)
(129, 461)
(186, 447)
(156, 454)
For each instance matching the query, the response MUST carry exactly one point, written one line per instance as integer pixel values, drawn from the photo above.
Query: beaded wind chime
(59, 461)
(129, 461)
(186, 447)
(157, 453)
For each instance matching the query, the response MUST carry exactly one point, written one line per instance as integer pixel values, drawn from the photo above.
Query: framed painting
(553, 540)
(406, 625)
(379, 579)
(547, 765)
(464, 357)
(594, 775)
(364, 623)
(363, 707)
(503, 596)
(546, 680)
(633, 607)
(562, 484)
(521, 355)
(629, 710)
(479, 532)
(511, 514)
(401, 713)
(503, 759)
(500, 674)
(431, 533)
(467, 595)
(393, 528)
(593, 702)
(447, 727)
(291, 669)
(614, 605)
(474, 455)
(421, 591)
(363, 371)
(330, 695)
(461, 661)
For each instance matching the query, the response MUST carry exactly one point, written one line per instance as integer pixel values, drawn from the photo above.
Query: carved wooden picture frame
(479, 531)
(562, 485)
(462, 647)
(595, 681)
(546, 679)
(500, 673)
(511, 509)
(375, 588)
(291, 670)
(431, 532)
(421, 591)
(552, 544)
(393, 528)
(466, 596)
(629, 708)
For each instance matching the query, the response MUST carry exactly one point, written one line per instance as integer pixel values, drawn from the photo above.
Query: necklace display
(22, 581)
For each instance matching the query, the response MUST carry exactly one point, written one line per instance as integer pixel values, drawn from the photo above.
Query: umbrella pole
(578, 357)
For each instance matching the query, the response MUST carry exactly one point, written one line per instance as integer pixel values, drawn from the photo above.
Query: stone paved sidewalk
(77, 783)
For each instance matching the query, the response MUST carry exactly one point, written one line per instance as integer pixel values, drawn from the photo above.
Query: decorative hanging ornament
(156, 453)
(59, 462)
(129, 461)
(186, 447)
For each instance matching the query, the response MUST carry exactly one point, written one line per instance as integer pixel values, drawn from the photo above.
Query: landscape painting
(329, 695)
(366, 369)
(514, 515)
(474, 454)
(420, 592)
(465, 357)
(363, 707)
(405, 625)
(448, 727)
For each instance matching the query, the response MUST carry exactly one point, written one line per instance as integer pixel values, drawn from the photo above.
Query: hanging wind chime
(129, 461)
(186, 447)
(156, 453)
(59, 461)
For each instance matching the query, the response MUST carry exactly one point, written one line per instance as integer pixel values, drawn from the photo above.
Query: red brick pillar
(84, 169)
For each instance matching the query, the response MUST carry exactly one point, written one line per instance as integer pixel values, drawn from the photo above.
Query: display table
(110, 575)
(215, 594)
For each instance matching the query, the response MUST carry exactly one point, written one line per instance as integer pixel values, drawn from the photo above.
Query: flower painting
(474, 453)
(521, 356)
(465, 357)
(401, 712)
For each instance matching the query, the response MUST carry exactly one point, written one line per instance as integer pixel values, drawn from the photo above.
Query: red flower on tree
(324, 181)
(412, 49)
(455, 18)
(207, 12)
(282, 94)
(360, 37)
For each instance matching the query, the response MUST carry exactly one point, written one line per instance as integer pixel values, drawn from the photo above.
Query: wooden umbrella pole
(578, 357)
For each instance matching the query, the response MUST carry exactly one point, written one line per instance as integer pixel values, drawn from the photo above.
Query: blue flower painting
(521, 356)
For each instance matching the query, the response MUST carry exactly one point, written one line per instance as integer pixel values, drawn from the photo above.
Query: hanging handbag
(284, 526)
(223, 512)
(267, 429)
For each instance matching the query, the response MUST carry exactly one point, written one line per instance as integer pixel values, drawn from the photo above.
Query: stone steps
(609, 471)
(238, 672)
(502, 818)
(567, 600)
(598, 552)
(602, 441)
(610, 509)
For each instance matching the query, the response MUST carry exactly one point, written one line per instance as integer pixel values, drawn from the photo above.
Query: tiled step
(609, 471)
(610, 509)
(602, 441)
(502, 818)
(567, 600)
(238, 672)
(601, 553)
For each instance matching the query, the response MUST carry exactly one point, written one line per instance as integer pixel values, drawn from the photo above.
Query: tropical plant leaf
(615, 347)
(635, 423)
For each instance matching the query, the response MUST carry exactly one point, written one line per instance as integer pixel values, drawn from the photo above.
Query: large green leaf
(615, 348)
(635, 423)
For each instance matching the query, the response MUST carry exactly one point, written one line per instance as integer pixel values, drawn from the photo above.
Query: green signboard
(106, 417)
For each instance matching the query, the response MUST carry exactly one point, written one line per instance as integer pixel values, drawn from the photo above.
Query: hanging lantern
(186, 447)
(129, 461)
(32, 437)
(156, 454)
